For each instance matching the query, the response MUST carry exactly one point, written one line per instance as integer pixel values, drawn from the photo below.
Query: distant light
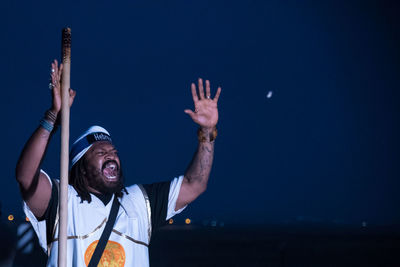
(171, 221)
(27, 219)
(188, 221)
(269, 94)
(364, 224)
(10, 217)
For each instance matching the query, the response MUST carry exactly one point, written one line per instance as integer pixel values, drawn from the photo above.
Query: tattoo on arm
(200, 167)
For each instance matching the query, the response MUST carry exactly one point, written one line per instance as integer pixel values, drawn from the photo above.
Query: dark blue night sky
(323, 148)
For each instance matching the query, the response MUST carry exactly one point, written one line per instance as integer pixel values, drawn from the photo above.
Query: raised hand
(55, 86)
(205, 111)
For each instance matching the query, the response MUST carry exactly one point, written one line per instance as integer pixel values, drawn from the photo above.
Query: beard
(98, 181)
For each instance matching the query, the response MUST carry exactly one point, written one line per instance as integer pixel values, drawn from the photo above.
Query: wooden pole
(63, 199)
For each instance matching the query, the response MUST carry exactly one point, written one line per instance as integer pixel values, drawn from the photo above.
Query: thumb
(189, 112)
(72, 92)
(72, 95)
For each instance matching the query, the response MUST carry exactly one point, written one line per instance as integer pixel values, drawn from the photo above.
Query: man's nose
(110, 156)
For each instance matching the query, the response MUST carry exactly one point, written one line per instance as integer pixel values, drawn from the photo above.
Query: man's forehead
(102, 145)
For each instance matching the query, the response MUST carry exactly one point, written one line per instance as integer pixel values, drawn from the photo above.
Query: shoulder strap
(148, 208)
(106, 234)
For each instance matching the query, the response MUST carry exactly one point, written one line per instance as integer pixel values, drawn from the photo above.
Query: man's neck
(105, 198)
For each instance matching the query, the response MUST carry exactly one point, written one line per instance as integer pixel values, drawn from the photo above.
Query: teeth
(111, 177)
(110, 171)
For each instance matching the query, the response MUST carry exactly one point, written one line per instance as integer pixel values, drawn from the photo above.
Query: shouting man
(97, 195)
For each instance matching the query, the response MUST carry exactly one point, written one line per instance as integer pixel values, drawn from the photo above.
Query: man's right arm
(34, 185)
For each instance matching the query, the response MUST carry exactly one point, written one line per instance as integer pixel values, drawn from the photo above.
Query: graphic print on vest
(113, 255)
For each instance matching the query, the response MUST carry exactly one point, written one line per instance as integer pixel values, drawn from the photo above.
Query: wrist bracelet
(212, 135)
(46, 125)
(50, 115)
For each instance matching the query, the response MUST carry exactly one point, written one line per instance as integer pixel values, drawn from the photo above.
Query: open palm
(205, 113)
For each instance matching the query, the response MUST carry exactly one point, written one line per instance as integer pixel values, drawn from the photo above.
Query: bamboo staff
(65, 85)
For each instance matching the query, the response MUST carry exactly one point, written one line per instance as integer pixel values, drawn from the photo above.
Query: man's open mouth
(110, 170)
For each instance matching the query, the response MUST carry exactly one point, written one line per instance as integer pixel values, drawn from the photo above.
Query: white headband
(86, 140)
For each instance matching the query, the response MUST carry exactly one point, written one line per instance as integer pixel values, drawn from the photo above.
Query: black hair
(78, 180)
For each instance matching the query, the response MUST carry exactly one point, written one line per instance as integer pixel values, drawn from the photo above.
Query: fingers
(194, 93)
(53, 69)
(54, 66)
(56, 70)
(54, 78)
(208, 92)
(217, 95)
(54, 73)
(201, 94)
(201, 89)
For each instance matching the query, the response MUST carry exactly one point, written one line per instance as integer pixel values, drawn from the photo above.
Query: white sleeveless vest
(129, 239)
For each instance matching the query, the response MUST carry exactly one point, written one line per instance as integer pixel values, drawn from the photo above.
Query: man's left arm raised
(206, 116)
